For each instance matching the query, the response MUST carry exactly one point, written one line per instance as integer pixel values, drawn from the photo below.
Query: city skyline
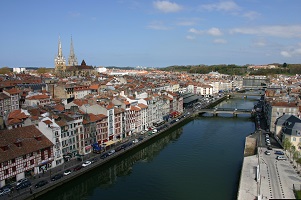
(150, 33)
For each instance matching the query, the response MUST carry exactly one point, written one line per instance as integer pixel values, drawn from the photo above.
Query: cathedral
(72, 69)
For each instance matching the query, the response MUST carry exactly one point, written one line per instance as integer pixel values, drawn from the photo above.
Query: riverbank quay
(36, 193)
(265, 177)
(33, 193)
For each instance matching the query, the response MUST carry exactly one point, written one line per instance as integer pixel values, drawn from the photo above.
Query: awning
(88, 147)
(110, 142)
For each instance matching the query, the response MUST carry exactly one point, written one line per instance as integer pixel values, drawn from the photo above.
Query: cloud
(292, 31)
(221, 6)
(220, 41)
(212, 31)
(167, 6)
(251, 15)
(296, 51)
(194, 31)
(285, 54)
(158, 25)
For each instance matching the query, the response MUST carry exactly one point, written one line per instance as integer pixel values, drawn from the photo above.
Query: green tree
(292, 150)
(284, 65)
(287, 144)
(296, 155)
(5, 70)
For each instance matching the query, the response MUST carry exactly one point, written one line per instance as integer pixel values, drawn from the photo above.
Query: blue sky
(150, 33)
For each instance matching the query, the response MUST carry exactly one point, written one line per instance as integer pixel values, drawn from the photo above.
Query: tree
(287, 144)
(5, 70)
(284, 65)
(292, 150)
(296, 155)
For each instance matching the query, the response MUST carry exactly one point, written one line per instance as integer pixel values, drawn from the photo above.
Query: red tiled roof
(27, 137)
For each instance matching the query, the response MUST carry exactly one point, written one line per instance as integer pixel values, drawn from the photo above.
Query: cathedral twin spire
(60, 61)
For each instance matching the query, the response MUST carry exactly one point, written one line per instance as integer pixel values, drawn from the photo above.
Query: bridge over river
(234, 112)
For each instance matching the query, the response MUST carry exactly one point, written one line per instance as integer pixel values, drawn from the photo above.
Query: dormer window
(4, 148)
(38, 138)
(18, 143)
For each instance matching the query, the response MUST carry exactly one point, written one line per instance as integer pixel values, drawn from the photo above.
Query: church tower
(60, 61)
(72, 60)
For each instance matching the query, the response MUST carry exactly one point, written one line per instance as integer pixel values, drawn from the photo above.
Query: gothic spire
(72, 60)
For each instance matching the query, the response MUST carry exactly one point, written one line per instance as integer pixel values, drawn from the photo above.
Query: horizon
(153, 34)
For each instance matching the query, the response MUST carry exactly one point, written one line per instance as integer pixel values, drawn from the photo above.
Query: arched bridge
(235, 112)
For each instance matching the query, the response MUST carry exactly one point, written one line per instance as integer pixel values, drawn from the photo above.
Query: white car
(154, 131)
(67, 172)
(267, 153)
(135, 141)
(87, 163)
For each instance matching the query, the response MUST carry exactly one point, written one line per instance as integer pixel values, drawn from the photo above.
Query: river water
(198, 159)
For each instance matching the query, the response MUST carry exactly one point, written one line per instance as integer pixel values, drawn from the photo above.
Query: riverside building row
(44, 134)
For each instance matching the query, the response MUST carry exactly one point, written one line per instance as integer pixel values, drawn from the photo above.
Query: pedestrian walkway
(276, 178)
(248, 184)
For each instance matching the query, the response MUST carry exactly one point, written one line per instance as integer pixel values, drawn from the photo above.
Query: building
(289, 126)
(24, 152)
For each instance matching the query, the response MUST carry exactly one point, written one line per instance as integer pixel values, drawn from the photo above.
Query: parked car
(67, 172)
(4, 191)
(78, 167)
(103, 156)
(21, 181)
(57, 177)
(267, 153)
(119, 148)
(24, 184)
(140, 138)
(93, 160)
(111, 152)
(279, 152)
(281, 158)
(270, 148)
(87, 163)
(41, 183)
(135, 141)
(155, 131)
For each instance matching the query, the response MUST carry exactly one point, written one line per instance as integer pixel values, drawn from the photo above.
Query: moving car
(56, 177)
(67, 172)
(41, 183)
(87, 163)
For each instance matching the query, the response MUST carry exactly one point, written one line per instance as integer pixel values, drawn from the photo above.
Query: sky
(150, 33)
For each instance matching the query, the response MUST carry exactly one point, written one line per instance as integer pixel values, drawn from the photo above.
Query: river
(198, 159)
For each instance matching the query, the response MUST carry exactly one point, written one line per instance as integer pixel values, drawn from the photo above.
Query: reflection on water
(105, 176)
(200, 160)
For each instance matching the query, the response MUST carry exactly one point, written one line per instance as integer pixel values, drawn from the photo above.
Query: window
(13, 160)
(24, 156)
(294, 139)
(32, 162)
(6, 172)
(5, 164)
(14, 168)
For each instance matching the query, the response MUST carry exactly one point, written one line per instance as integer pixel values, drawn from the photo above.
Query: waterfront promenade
(275, 180)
